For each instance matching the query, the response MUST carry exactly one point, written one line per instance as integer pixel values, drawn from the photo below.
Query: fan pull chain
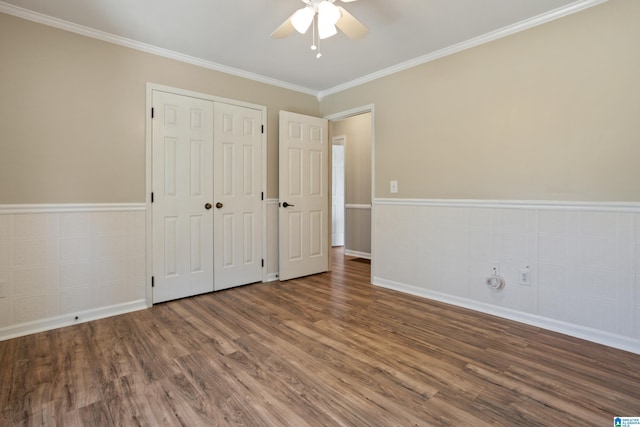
(313, 32)
(315, 47)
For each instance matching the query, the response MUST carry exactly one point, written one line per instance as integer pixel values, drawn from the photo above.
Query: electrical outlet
(525, 277)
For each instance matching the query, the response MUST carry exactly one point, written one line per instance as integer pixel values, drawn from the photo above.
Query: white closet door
(238, 195)
(182, 163)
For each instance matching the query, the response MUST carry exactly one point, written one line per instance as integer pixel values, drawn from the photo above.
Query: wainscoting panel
(63, 264)
(583, 261)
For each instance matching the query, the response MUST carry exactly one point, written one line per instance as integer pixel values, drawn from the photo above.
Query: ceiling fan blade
(283, 30)
(349, 25)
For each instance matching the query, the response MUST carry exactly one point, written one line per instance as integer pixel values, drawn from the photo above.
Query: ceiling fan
(328, 18)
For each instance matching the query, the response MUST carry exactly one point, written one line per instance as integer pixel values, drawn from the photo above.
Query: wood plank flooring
(325, 350)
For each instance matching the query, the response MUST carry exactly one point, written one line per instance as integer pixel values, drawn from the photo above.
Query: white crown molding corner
(569, 9)
(50, 323)
(600, 337)
(71, 207)
(144, 47)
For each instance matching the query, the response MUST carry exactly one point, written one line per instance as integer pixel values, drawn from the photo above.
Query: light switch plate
(393, 186)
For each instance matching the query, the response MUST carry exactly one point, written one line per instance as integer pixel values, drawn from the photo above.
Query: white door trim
(370, 108)
(339, 140)
(149, 179)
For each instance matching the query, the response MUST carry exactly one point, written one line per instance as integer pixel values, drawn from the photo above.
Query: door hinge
(151, 197)
(263, 262)
(152, 282)
(262, 129)
(152, 112)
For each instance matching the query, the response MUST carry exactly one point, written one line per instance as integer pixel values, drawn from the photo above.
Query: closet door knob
(219, 205)
(208, 206)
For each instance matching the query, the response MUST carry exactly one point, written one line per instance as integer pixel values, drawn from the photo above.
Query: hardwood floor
(322, 350)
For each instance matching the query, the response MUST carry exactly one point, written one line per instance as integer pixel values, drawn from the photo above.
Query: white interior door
(337, 196)
(182, 185)
(238, 195)
(304, 201)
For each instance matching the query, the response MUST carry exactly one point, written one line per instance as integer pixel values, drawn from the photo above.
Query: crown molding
(572, 8)
(144, 47)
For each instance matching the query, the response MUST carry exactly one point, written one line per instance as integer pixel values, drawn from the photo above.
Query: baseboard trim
(357, 254)
(50, 323)
(356, 206)
(272, 277)
(600, 337)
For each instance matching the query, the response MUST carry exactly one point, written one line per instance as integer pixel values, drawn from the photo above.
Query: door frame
(369, 108)
(149, 178)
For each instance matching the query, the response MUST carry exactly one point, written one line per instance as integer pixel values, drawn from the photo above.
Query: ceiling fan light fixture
(326, 18)
(329, 11)
(326, 28)
(302, 18)
(324, 32)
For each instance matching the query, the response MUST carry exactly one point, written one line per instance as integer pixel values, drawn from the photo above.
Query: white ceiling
(233, 35)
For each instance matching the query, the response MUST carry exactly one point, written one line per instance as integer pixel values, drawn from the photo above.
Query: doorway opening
(352, 172)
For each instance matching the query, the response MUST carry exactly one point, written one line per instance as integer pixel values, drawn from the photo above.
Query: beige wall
(72, 115)
(550, 113)
(357, 130)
